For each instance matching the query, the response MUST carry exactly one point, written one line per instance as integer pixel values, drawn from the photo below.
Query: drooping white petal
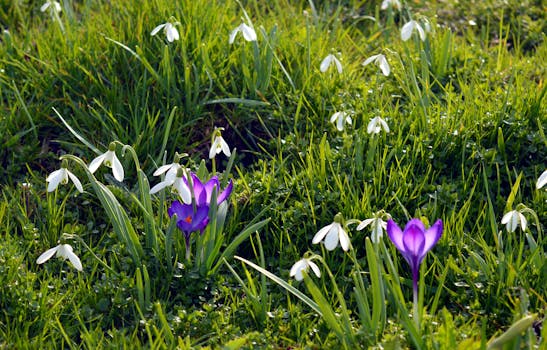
(163, 169)
(45, 256)
(314, 268)
(377, 232)
(321, 234)
(160, 186)
(57, 6)
(157, 29)
(340, 123)
(76, 182)
(117, 168)
(233, 34)
(370, 59)
(44, 7)
(344, 238)
(332, 237)
(338, 64)
(364, 224)
(96, 163)
(349, 120)
(171, 32)
(421, 32)
(406, 30)
(506, 217)
(523, 221)
(55, 178)
(384, 125)
(214, 147)
(510, 220)
(73, 258)
(182, 190)
(326, 63)
(297, 268)
(514, 222)
(224, 146)
(384, 66)
(65, 251)
(248, 32)
(542, 180)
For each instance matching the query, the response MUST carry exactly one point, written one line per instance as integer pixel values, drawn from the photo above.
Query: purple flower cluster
(195, 216)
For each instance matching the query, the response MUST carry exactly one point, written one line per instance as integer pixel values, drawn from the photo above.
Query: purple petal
(176, 208)
(200, 193)
(210, 186)
(201, 219)
(415, 222)
(414, 240)
(432, 235)
(395, 233)
(226, 193)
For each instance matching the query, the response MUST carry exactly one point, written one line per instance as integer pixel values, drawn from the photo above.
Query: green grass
(467, 110)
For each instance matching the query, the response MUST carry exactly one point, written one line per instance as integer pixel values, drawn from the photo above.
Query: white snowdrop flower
(63, 251)
(327, 61)
(61, 176)
(109, 159)
(219, 145)
(381, 61)
(341, 119)
(514, 219)
(409, 27)
(248, 32)
(52, 5)
(377, 224)
(169, 29)
(396, 4)
(332, 234)
(175, 178)
(376, 125)
(304, 265)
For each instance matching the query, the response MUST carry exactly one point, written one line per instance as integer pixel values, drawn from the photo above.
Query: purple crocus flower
(189, 220)
(204, 191)
(414, 243)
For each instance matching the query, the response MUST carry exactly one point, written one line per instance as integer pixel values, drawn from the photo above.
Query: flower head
(175, 177)
(63, 251)
(52, 5)
(332, 234)
(414, 242)
(169, 29)
(377, 224)
(218, 145)
(340, 119)
(409, 27)
(61, 176)
(327, 61)
(189, 220)
(109, 159)
(376, 125)
(514, 219)
(304, 264)
(204, 192)
(393, 3)
(381, 61)
(542, 180)
(248, 32)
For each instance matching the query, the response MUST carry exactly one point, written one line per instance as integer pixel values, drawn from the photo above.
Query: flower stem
(416, 314)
